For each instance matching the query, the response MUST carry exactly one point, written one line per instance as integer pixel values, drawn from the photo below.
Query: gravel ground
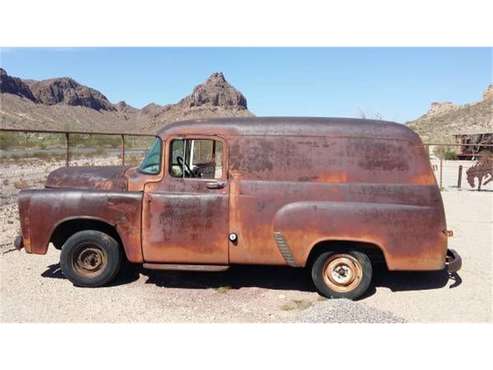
(34, 290)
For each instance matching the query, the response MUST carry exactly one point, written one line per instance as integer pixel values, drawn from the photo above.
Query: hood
(100, 178)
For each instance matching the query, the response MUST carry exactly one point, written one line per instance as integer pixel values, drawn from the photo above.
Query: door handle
(215, 185)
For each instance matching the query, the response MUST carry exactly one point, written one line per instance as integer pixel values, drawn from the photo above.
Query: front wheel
(90, 258)
(342, 274)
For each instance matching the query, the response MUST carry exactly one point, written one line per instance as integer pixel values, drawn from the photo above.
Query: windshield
(152, 162)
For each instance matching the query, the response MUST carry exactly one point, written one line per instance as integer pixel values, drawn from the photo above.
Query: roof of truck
(291, 126)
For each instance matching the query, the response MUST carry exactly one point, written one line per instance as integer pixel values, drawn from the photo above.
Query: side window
(151, 165)
(196, 158)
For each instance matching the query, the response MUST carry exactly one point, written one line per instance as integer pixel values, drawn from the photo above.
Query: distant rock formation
(122, 106)
(14, 86)
(216, 92)
(67, 91)
(444, 120)
(488, 93)
(151, 109)
(441, 107)
(63, 103)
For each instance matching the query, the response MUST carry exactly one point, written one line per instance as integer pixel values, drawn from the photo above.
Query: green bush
(444, 152)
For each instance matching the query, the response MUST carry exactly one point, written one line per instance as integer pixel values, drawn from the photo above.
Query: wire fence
(71, 146)
(28, 156)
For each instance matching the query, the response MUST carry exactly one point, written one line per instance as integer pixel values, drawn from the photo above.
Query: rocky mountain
(63, 103)
(213, 98)
(15, 86)
(445, 119)
(215, 92)
(67, 91)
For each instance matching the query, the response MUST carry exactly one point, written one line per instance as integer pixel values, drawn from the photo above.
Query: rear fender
(410, 237)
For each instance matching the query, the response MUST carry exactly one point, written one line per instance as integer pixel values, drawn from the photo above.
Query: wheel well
(373, 251)
(68, 228)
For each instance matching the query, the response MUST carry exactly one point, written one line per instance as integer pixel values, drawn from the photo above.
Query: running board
(175, 267)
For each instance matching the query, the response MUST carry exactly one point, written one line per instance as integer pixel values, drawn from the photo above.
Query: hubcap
(89, 261)
(342, 272)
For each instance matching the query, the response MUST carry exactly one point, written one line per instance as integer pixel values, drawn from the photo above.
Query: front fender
(42, 210)
(410, 237)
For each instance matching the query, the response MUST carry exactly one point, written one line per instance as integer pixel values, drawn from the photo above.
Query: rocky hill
(445, 119)
(14, 86)
(64, 104)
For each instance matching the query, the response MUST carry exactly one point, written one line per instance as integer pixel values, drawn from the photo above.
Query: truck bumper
(19, 243)
(453, 262)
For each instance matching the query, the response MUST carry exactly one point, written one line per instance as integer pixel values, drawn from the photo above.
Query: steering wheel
(183, 165)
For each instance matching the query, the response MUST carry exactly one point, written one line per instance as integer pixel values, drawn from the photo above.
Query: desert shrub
(93, 141)
(21, 184)
(9, 140)
(99, 151)
(450, 155)
(444, 152)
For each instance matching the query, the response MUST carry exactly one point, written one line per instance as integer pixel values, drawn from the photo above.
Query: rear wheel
(345, 274)
(90, 258)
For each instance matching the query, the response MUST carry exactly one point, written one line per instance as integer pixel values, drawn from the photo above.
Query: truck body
(269, 191)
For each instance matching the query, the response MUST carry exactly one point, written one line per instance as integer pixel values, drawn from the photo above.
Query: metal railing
(437, 167)
(67, 135)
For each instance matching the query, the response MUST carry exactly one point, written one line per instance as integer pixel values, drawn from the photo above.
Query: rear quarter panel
(411, 237)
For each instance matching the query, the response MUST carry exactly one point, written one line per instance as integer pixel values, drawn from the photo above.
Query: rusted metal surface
(309, 180)
(284, 249)
(43, 210)
(40, 131)
(342, 272)
(90, 261)
(96, 177)
(176, 267)
(482, 171)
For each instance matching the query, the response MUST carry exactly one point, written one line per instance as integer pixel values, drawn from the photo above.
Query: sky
(396, 84)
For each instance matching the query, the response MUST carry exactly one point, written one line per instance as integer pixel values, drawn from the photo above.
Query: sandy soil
(34, 290)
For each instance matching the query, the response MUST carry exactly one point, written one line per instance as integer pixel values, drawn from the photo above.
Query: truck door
(186, 214)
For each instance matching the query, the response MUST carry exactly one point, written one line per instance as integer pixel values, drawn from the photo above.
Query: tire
(90, 258)
(342, 274)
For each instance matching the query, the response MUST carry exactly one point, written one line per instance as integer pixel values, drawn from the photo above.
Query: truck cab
(332, 195)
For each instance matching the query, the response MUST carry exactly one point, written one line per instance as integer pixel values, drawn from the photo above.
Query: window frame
(225, 156)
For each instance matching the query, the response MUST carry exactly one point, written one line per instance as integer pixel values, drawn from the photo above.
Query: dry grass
(223, 289)
(21, 184)
(296, 304)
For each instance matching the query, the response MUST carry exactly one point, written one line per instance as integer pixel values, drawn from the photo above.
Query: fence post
(441, 174)
(123, 150)
(67, 153)
(459, 179)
